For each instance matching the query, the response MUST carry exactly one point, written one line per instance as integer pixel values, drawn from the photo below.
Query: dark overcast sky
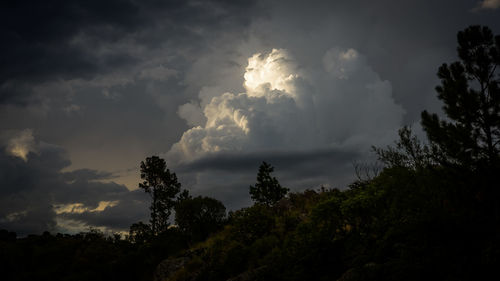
(88, 89)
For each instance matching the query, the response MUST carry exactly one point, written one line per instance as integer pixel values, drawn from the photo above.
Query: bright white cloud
(22, 144)
(347, 105)
(273, 71)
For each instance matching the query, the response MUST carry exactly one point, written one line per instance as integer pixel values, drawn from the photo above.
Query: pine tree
(267, 190)
(163, 188)
(469, 88)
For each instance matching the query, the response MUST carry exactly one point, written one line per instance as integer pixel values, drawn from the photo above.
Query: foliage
(267, 190)
(199, 217)
(408, 152)
(251, 223)
(89, 255)
(163, 187)
(140, 233)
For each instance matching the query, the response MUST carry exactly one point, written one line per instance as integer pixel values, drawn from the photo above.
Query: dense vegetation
(432, 212)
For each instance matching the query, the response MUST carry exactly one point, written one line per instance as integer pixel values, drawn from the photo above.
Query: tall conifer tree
(267, 190)
(163, 187)
(470, 137)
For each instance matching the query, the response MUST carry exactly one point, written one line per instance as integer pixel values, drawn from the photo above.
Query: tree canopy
(200, 216)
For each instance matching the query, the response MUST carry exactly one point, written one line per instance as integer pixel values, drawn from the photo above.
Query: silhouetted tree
(184, 195)
(200, 216)
(267, 190)
(470, 92)
(139, 232)
(408, 152)
(6, 235)
(163, 187)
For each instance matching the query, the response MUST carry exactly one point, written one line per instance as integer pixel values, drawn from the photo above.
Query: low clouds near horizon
(38, 195)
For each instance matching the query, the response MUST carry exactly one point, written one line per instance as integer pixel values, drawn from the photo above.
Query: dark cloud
(85, 174)
(17, 176)
(227, 176)
(38, 35)
(32, 190)
(68, 39)
(292, 160)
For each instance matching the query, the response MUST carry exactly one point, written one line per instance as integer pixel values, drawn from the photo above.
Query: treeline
(93, 255)
(432, 212)
(85, 256)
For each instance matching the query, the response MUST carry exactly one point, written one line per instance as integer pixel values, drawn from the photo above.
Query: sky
(89, 89)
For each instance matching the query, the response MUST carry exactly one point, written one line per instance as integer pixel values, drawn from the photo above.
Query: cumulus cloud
(285, 109)
(191, 112)
(310, 123)
(355, 107)
(340, 63)
(275, 71)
